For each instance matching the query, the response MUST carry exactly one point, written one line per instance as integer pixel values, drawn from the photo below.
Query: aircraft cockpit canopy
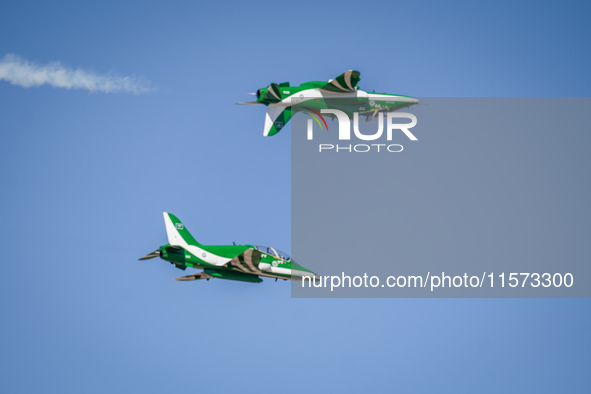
(273, 252)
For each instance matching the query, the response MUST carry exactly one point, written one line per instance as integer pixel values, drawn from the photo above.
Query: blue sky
(86, 176)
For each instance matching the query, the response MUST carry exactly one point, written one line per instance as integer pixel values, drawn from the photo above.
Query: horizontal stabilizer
(249, 103)
(155, 253)
(201, 275)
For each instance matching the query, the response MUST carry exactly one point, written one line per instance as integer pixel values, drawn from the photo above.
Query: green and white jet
(245, 263)
(342, 93)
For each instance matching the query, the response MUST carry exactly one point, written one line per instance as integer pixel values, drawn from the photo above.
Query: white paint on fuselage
(175, 239)
(313, 94)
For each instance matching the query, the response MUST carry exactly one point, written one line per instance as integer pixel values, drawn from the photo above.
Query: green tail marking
(281, 121)
(180, 227)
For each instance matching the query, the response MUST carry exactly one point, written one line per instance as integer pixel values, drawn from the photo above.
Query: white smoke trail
(21, 72)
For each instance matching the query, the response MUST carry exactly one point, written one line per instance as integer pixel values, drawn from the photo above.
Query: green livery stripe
(233, 275)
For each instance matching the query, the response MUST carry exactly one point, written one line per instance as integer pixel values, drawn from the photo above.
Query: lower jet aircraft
(342, 93)
(245, 263)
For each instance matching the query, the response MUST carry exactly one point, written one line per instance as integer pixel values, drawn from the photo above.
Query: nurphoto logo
(344, 132)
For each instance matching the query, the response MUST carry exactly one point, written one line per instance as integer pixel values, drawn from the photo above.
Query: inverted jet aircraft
(342, 93)
(245, 263)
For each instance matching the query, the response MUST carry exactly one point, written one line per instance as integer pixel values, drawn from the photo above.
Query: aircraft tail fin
(177, 233)
(277, 116)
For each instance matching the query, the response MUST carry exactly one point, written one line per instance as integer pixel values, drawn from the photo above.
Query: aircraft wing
(200, 275)
(344, 83)
(400, 102)
(277, 116)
